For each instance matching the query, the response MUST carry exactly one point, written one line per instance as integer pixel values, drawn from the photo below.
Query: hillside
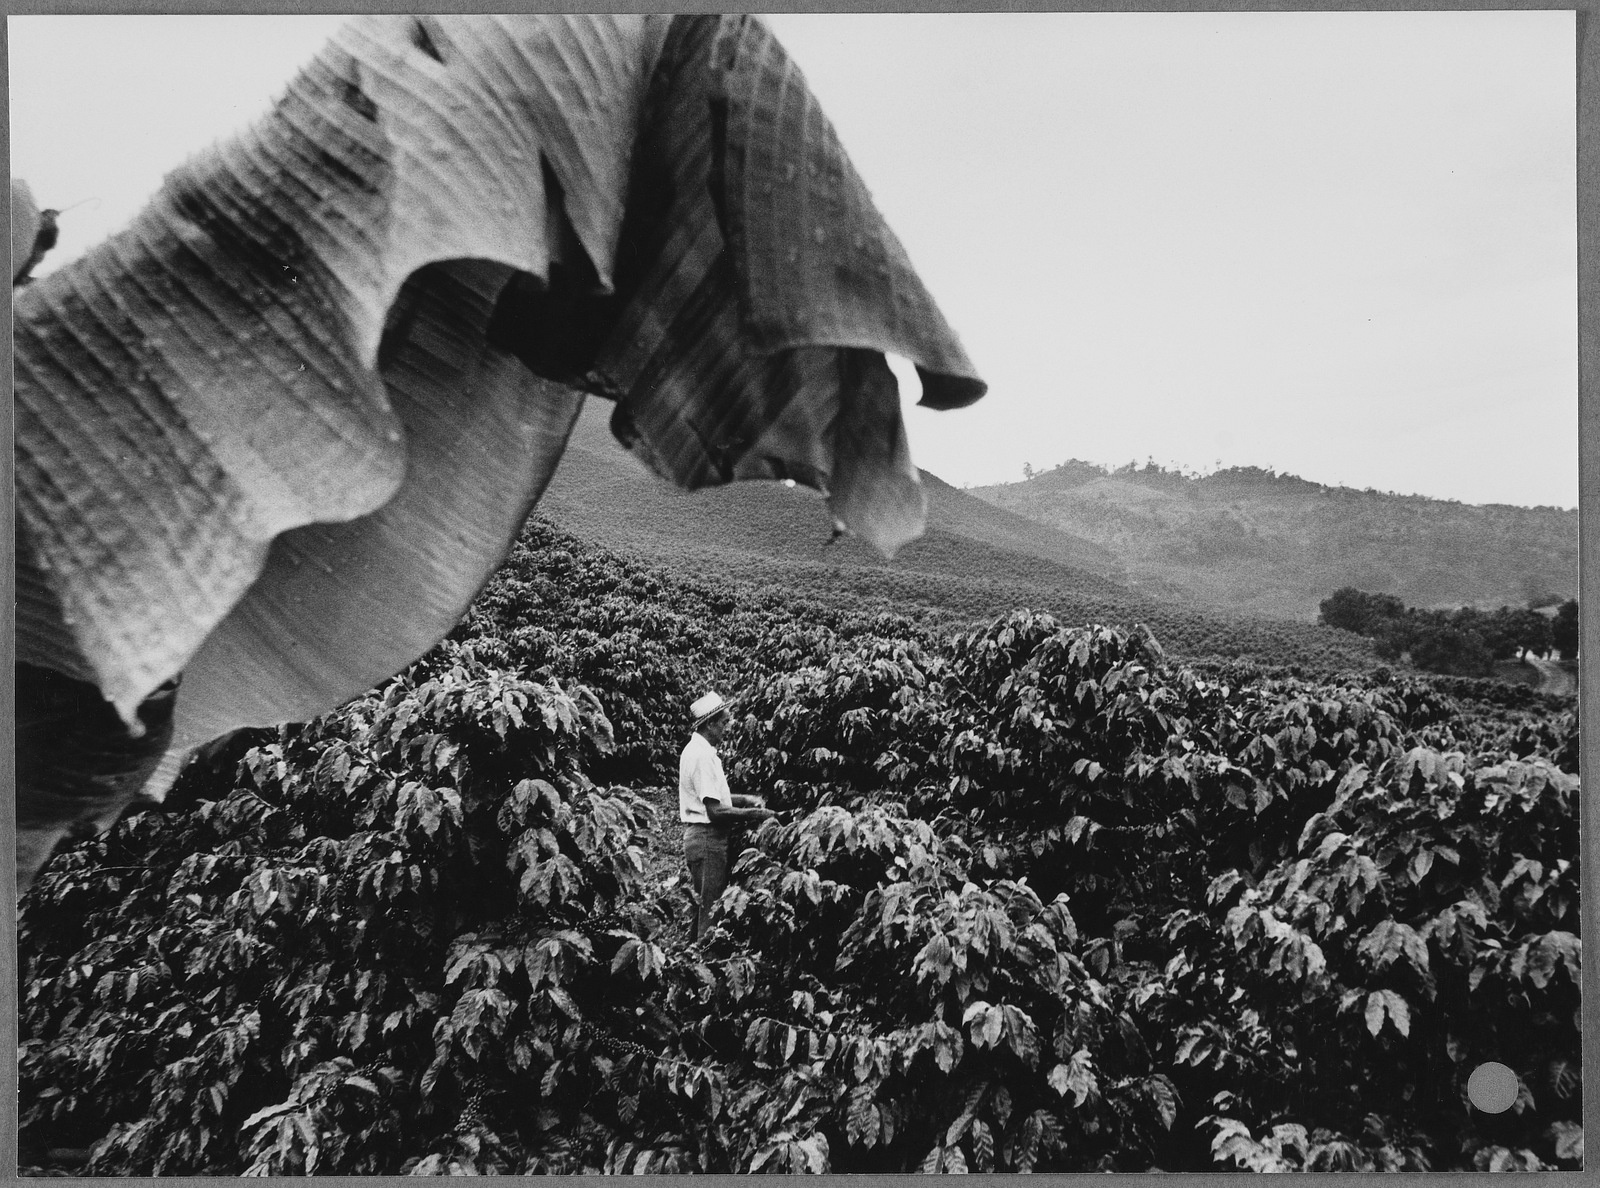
(1250, 540)
(975, 560)
(603, 490)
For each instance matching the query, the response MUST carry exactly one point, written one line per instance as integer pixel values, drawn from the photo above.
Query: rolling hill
(974, 561)
(602, 490)
(1253, 541)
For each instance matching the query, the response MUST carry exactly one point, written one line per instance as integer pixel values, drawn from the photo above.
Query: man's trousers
(705, 849)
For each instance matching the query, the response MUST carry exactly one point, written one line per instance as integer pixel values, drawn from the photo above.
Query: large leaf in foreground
(211, 377)
(276, 434)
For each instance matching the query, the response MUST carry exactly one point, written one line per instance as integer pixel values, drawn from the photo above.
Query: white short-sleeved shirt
(700, 778)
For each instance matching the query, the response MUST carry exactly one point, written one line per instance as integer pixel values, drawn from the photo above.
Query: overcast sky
(1342, 245)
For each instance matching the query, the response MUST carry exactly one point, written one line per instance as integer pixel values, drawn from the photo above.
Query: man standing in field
(707, 809)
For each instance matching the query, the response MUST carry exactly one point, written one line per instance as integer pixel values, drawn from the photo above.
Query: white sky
(1338, 244)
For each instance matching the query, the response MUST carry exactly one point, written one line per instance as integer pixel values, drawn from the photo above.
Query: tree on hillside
(1392, 639)
(1358, 611)
(1451, 650)
(1564, 630)
(1510, 631)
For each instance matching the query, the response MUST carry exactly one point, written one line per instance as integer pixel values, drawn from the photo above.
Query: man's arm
(722, 814)
(740, 800)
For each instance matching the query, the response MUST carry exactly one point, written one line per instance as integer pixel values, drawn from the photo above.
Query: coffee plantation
(1040, 897)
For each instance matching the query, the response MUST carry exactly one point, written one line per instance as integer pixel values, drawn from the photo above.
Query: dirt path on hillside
(1553, 678)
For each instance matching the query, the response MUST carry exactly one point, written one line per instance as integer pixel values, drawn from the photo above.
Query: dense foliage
(1039, 898)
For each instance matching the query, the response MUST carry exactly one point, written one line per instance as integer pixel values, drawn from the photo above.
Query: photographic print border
(1588, 202)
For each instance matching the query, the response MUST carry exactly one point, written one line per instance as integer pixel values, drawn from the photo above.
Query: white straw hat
(707, 706)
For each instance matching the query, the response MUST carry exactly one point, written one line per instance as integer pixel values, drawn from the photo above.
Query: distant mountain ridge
(1251, 540)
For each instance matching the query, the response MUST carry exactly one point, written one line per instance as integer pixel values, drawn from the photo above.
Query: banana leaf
(273, 437)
